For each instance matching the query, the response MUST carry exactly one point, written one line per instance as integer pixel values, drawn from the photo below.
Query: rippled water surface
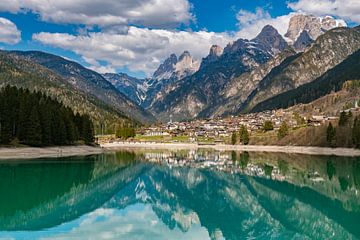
(181, 195)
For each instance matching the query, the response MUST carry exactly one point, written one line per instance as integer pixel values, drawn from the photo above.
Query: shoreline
(345, 152)
(20, 153)
(13, 153)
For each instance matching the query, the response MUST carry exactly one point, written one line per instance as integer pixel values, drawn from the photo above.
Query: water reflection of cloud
(134, 222)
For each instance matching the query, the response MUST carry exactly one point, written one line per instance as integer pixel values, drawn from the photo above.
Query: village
(220, 129)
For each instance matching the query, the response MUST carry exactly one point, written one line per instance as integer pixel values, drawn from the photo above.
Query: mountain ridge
(88, 82)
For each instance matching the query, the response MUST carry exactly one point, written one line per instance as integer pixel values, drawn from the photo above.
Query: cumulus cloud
(251, 23)
(346, 9)
(8, 32)
(151, 13)
(140, 49)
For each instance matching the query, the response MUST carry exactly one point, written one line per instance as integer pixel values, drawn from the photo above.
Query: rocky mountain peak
(214, 54)
(271, 40)
(315, 26)
(216, 51)
(174, 67)
(165, 70)
(186, 65)
(184, 55)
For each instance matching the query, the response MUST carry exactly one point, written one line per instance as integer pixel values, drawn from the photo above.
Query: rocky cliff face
(314, 26)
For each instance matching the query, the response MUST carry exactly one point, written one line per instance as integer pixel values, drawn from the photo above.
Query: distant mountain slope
(332, 80)
(18, 71)
(89, 83)
(329, 50)
(131, 87)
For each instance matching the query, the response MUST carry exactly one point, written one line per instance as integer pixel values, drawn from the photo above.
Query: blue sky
(135, 36)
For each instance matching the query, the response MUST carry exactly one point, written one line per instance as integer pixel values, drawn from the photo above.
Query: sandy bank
(222, 147)
(48, 152)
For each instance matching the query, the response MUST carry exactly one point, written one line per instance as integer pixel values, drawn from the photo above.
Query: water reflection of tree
(283, 167)
(330, 169)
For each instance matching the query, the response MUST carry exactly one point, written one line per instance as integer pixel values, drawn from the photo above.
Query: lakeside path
(348, 152)
(47, 152)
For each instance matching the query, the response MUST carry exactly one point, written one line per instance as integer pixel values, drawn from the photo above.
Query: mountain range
(269, 71)
(246, 72)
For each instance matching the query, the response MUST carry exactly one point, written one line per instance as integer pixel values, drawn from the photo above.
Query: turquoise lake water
(181, 195)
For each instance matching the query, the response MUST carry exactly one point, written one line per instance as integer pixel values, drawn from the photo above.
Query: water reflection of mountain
(233, 195)
(238, 206)
(41, 194)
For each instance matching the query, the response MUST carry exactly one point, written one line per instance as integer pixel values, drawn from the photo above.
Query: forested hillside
(34, 119)
(332, 80)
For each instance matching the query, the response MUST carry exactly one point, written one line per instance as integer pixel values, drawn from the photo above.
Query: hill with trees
(23, 73)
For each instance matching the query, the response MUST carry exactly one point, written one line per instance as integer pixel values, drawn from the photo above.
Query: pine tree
(87, 130)
(283, 130)
(344, 118)
(244, 135)
(330, 133)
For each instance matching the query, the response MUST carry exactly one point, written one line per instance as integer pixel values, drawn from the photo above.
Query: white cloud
(8, 32)
(251, 23)
(105, 13)
(140, 49)
(346, 9)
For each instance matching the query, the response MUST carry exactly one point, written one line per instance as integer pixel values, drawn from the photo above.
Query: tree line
(34, 119)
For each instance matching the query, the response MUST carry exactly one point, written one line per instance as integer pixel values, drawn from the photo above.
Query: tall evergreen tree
(244, 135)
(330, 133)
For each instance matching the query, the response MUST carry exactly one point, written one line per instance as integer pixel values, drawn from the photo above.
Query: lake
(199, 194)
